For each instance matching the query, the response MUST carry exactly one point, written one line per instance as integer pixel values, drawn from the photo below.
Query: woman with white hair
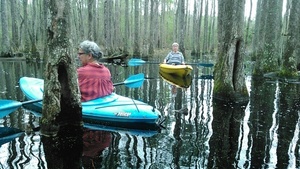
(174, 57)
(93, 77)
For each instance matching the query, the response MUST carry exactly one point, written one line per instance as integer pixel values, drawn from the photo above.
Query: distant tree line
(139, 27)
(118, 26)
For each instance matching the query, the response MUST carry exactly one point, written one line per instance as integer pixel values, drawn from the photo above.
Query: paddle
(134, 81)
(138, 62)
(7, 134)
(8, 106)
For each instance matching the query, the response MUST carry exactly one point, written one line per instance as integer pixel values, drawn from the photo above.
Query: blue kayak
(109, 109)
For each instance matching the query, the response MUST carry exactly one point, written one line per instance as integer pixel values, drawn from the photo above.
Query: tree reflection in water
(262, 134)
(65, 149)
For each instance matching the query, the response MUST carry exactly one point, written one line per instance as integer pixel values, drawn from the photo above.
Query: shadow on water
(199, 132)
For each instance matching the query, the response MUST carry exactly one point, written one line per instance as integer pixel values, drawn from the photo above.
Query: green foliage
(288, 73)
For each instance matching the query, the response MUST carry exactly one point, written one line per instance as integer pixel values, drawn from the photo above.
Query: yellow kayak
(178, 81)
(179, 70)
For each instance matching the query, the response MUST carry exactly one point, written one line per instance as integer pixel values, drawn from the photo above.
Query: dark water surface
(261, 134)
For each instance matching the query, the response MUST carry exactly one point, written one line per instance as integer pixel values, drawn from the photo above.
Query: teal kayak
(109, 109)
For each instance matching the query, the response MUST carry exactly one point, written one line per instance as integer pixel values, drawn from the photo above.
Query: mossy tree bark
(292, 44)
(229, 84)
(267, 48)
(271, 54)
(4, 24)
(61, 104)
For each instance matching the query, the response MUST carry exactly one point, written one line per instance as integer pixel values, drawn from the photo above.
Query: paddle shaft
(31, 101)
(118, 84)
(137, 62)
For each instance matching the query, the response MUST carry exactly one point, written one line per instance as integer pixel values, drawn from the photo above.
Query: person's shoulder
(179, 53)
(104, 68)
(80, 69)
(85, 68)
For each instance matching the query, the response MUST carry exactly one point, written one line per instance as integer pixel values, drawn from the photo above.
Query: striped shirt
(94, 81)
(175, 58)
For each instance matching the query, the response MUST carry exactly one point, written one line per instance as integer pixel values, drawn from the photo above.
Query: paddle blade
(136, 62)
(8, 106)
(135, 81)
(7, 134)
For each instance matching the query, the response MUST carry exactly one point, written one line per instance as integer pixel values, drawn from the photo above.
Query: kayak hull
(111, 109)
(178, 81)
(178, 70)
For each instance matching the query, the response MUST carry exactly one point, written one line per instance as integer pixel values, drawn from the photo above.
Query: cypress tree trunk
(181, 26)
(213, 20)
(61, 123)
(205, 26)
(292, 44)
(146, 30)
(162, 35)
(108, 26)
(5, 47)
(95, 21)
(152, 27)
(61, 104)
(136, 48)
(32, 32)
(259, 36)
(117, 31)
(127, 28)
(194, 29)
(229, 82)
(44, 29)
(81, 19)
(90, 19)
(248, 23)
(25, 29)
(14, 28)
(256, 36)
(156, 23)
(198, 47)
(271, 52)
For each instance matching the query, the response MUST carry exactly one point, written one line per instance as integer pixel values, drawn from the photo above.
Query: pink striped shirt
(94, 81)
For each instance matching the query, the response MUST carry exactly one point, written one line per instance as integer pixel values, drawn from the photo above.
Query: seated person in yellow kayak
(93, 77)
(174, 57)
